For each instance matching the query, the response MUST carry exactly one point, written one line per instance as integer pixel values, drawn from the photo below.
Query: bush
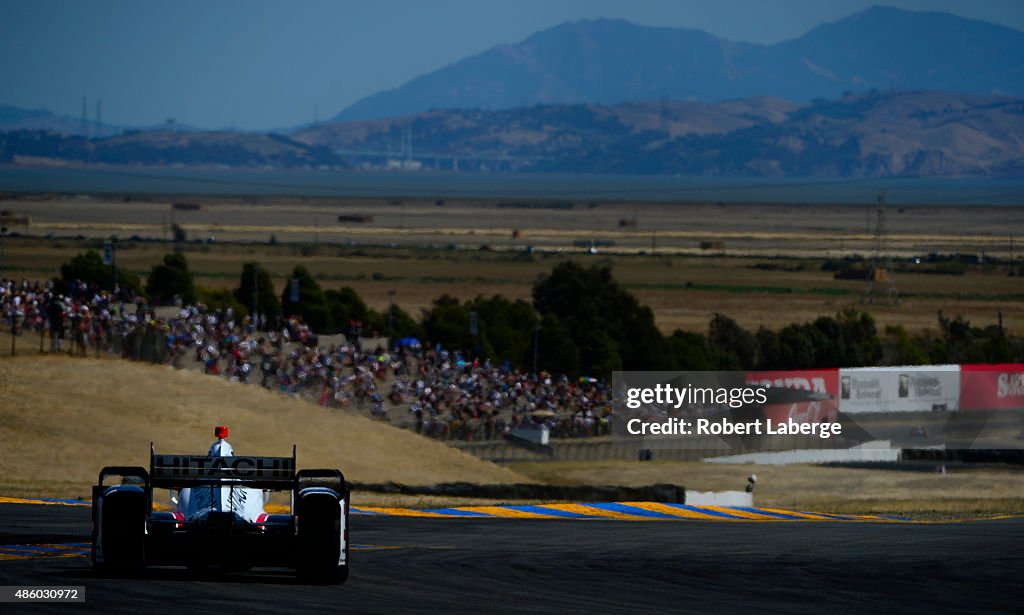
(170, 279)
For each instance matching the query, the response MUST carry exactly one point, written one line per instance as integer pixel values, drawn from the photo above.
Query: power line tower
(84, 128)
(407, 143)
(879, 275)
(99, 118)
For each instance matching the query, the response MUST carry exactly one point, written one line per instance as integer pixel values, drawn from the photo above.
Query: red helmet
(220, 431)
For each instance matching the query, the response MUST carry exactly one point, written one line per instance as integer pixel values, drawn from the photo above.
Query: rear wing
(178, 471)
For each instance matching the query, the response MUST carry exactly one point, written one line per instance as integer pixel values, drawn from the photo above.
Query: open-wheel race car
(219, 518)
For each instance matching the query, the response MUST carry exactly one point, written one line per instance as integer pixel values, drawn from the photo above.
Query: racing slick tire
(318, 543)
(123, 532)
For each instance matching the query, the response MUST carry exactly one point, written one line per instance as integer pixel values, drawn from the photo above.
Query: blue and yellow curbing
(23, 552)
(620, 511)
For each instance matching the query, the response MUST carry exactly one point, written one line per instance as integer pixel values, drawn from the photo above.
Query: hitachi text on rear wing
(178, 471)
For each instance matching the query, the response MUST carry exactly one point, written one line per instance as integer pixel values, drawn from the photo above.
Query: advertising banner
(992, 387)
(823, 382)
(918, 388)
(814, 380)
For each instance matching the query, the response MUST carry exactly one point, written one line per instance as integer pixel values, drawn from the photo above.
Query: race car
(219, 518)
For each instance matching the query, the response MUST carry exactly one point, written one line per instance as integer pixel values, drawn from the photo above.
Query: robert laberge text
(726, 427)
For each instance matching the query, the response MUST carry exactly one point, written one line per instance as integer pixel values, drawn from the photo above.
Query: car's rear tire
(319, 540)
(123, 533)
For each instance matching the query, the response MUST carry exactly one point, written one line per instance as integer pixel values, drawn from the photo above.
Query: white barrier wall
(879, 450)
(913, 388)
(719, 498)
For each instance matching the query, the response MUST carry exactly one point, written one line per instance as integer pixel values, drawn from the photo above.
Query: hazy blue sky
(259, 64)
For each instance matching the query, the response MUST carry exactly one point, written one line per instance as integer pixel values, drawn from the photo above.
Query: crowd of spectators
(77, 320)
(435, 391)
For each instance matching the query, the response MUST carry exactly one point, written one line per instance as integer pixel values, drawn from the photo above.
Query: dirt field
(816, 230)
(768, 272)
(63, 419)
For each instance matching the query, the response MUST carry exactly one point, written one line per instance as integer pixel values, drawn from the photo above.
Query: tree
(447, 323)
(733, 347)
(966, 344)
(171, 278)
(901, 349)
(89, 268)
(267, 302)
(603, 355)
(685, 350)
(800, 347)
(402, 323)
(345, 305)
(861, 344)
(588, 302)
(504, 326)
(556, 351)
(769, 349)
(311, 304)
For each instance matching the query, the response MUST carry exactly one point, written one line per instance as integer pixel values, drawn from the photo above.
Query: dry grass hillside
(62, 419)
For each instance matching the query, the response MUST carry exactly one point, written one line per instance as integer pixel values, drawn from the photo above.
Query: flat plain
(761, 264)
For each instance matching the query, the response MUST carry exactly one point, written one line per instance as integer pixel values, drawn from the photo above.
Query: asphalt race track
(530, 566)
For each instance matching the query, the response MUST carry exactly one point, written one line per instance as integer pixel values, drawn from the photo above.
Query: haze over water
(914, 191)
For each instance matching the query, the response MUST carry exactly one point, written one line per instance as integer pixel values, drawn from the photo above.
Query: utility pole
(391, 311)
(109, 259)
(3, 233)
(474, 330)
(84, 127)
(255, 293)
(536, 346)
(113, 261)
(1011, 255)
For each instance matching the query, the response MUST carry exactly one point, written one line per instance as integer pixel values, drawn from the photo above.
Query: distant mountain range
(164, 148)
(878, 134)
(614, 61)
(884, 93)
(17, 118)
